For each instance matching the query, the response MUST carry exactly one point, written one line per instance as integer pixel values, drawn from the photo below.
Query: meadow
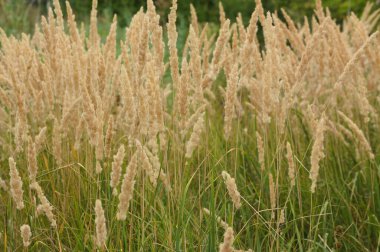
(258, 137)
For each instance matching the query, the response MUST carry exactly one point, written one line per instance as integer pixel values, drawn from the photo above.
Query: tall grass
(247, 146)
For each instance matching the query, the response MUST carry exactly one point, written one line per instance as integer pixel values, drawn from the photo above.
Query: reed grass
(291, 124)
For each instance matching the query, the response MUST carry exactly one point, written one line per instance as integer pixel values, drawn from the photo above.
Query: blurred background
(18, 16)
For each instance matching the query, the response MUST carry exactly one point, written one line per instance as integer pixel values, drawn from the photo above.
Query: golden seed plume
(272, 194)
(45, 206)
(3, 184)
(317, 153)
(127, 186)
(291, 165)
(195, 137)
(232, 189)
(116, 168)
(32, 160)
(25, 234)
(40, 139)
(228, 240)
(100, 225)
(359, 135)
(260, 149)
(15, 184)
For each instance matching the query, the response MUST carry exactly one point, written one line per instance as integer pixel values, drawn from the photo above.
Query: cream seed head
(98, 167)
(45, 206)
(272, 194)
(228, 240)
(195, 137)
(15, 185)
(232, 189)
(127, 187)
(26, 234)
(100, 225)
(116, 168)
(40, 139)
(291, 165)
(317, 153)
(32, 160)
(149, 168)
(358, 134)
(108, 137)
(260, 149)
(3, 184)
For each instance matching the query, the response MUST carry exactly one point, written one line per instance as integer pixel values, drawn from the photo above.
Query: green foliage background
(20, 15)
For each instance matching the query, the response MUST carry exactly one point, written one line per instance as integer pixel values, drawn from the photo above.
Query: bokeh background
(17, 16)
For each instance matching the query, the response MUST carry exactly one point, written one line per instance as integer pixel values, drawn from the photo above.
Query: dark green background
(20, 15)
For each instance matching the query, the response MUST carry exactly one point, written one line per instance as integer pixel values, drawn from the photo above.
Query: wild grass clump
(152, 142)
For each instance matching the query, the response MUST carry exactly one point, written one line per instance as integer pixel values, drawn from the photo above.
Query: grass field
(252, 138)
